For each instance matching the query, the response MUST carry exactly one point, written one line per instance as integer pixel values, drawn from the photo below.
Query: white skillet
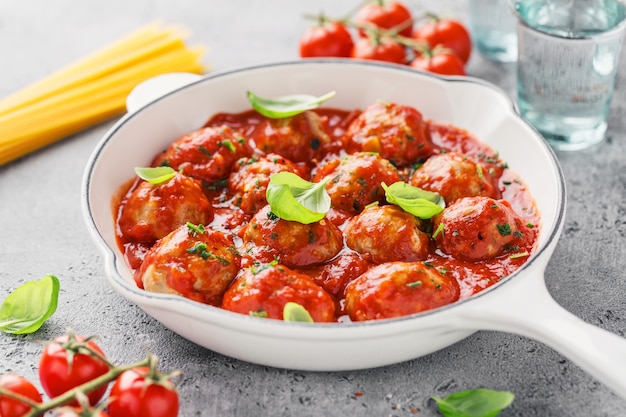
(163, 109)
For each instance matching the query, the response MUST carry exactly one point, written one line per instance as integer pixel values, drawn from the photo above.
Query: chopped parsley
(195, 230)
(315, 144)
(504, 229)
(479, 171)
(259, 313)
(257, 268)
(438, 231)
(200, 248)
(204, 151)
(228, 145)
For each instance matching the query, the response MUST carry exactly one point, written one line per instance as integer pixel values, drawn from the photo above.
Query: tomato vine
(16, 395)
(387, 30)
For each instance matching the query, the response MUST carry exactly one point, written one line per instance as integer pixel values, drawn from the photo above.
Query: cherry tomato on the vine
(10, 407)
(447, 33)
(67, 363)
(326, 39)
(439, 61)
(385, 49)
(140, 393)
(386, 15)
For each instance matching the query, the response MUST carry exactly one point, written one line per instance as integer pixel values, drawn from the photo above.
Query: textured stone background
(42, 231)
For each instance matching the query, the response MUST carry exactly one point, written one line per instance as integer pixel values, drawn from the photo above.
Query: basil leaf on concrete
(475, 403)
(29, 306)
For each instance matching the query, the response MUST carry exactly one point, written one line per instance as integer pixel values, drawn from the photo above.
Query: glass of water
(492, 24)
(568, 57)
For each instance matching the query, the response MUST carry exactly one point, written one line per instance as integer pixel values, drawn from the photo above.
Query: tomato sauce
(341, 254)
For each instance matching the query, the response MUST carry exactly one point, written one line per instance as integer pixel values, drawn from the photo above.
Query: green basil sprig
(155, 175)
(286, 106)
(295, 312)
(29, 306)
(420, 203)
(475, 403)
(293, 198)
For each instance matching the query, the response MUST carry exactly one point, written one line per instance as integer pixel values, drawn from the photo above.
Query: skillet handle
(528, 309)
(156, 87)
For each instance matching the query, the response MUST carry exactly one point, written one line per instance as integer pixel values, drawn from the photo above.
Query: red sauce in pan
(367, 259)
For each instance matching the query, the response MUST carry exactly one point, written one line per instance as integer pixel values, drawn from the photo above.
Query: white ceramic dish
(519, 304)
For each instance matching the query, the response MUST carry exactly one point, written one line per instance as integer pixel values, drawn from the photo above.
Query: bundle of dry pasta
(91, 90)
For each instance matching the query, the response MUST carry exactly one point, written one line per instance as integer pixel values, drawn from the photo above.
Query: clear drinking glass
(492, 24)
(568, 57)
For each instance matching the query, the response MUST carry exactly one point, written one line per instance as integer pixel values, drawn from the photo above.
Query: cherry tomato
(67, 363)
(326, 39)
(443, 63)
(448, 33)
(385, 15)
(384, 49)
(140, 393)
(10, 407)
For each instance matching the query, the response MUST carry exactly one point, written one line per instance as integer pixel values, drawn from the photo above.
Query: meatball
(207, 154)
(454, 175)
(264, 290)
(336, 274)
(480, 228)
(398, 133)
(192, 261)
(300, 138)
(397, 289)
(387, 233)
(268, 237)
(151, 211)
(250, 177)
(355, 180)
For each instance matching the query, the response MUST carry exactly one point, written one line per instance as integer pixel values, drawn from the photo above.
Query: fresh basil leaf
(155, 175)
(475, 403)
(420, 203)
(295, 312)
(293, 198)
(286, 106)
(29, 306)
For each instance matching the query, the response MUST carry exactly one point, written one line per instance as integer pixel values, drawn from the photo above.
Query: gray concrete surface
(42, 231)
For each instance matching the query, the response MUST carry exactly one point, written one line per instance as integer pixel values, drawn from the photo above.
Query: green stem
(375, 33)
(73, 346)
(432, 16)
(39, 409)
(407, 23)
(92, 352)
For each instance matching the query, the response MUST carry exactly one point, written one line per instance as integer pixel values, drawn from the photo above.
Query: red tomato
(326, 39)
(384, 49)
(10, 407)
(66, 363)
(448, 33)
(444, 63)
(137, 393)
(385, 15)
